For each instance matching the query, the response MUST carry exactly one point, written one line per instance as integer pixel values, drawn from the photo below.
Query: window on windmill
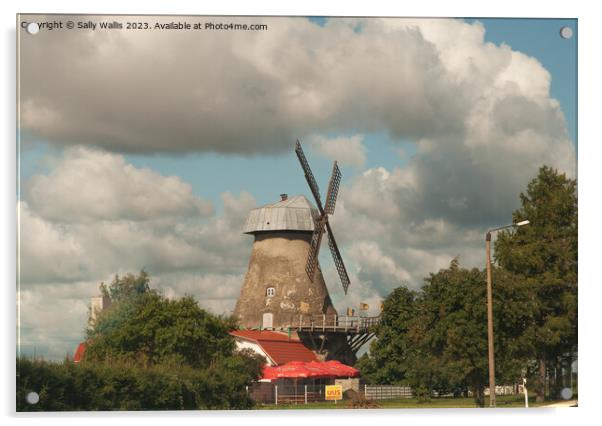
(270, 291)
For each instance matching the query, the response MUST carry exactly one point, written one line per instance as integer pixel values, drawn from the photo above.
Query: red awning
(341, 369)
(290, 370)
(313, 369)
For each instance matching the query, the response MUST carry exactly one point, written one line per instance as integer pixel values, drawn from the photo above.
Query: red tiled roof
(278, 346)
(79, 352)
(263, 335)
(283, 352)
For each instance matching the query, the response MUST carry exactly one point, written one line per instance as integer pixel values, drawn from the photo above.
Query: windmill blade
(314, 250)
(309, 176)
(338, 260)
(333, 189)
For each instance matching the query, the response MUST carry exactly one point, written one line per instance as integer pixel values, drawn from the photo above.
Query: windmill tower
(284, 288)
(277, 289)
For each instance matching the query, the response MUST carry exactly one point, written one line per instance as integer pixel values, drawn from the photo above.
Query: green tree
(152, 329)
(512, 313)
(143, 327)
(392, 348)
(452, 327)
(544, 257)
(435, 340)
(127, 287)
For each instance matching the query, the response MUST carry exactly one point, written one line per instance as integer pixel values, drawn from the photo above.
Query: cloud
(215, 292)
(348, 151)
(255, 92)
(95, 214)
(53, 317)
(361, 291)
(88, 185)
(480, 115)
(157, 91)
(373, 265)
(67, 246)
(46, 251)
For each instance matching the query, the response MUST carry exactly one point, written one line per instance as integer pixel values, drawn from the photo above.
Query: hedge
(90, 387)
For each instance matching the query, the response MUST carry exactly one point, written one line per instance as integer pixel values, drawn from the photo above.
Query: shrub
(90, 387)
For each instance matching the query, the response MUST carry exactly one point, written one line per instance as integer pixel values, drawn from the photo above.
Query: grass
(507, 401)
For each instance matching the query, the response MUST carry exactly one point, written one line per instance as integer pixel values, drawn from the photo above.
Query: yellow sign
(334, 393)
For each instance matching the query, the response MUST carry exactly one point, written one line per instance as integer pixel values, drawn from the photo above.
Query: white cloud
(47, 251)
(53, 317)
(66, 251)
(348, 151)
(373, 193)
(88, 185)
(215, 292)
(414, 78)
(372, 263)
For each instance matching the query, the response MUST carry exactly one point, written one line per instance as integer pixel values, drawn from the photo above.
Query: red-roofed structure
(79, 352)
(309, 370)
(278, 348)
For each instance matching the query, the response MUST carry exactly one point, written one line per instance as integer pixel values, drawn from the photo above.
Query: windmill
(284, 290)
(321, 223)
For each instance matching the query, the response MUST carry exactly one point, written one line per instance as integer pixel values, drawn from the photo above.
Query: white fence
(393, 392)
(387, 392)
(505, 390)
(292, 393)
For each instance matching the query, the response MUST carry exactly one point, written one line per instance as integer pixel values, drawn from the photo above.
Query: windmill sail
(322, 221)
(314, 249)
(333, 189)
(338, 260)
(309, 176)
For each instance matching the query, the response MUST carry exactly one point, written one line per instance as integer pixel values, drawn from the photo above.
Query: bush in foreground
(92, 387)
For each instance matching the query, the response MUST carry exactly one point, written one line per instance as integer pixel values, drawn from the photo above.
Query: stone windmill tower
(284, 288)
(277, 288)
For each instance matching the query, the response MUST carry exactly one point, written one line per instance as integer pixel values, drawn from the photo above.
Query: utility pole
(490, 322)
(490, 309)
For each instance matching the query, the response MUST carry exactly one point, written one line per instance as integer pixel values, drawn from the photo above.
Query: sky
(147, 149)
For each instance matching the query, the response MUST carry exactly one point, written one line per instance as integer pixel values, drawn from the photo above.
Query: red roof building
(79, 352)
(277, 348)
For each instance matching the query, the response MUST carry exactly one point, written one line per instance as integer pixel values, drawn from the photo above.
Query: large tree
(435, 340)
(146, 328)
(452, 328)
(127, 287)
(544, 257)
(391, 351)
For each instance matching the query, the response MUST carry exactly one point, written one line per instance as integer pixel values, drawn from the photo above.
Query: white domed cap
(289, 214)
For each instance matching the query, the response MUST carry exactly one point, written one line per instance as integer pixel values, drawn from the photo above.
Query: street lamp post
(490, 309)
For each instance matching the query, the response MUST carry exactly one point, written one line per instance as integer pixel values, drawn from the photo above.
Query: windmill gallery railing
(334, 323)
